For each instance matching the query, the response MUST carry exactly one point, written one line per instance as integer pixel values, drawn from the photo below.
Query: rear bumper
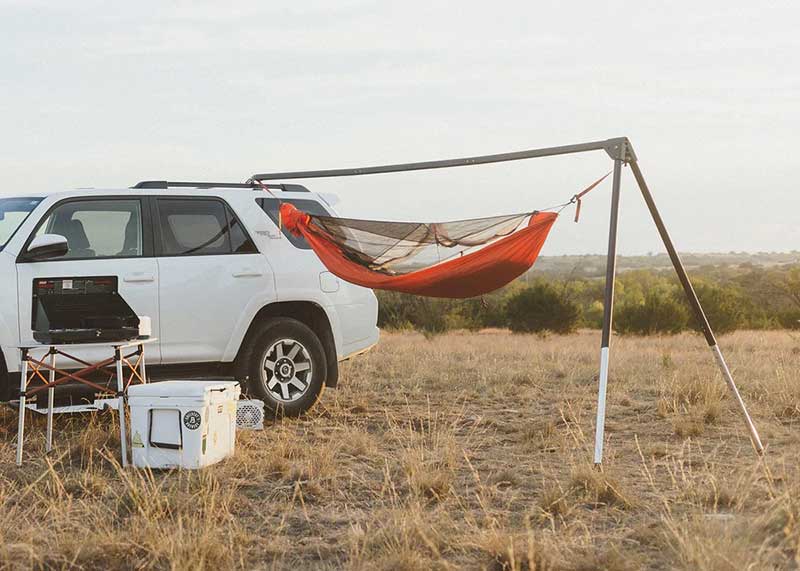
(361, 346)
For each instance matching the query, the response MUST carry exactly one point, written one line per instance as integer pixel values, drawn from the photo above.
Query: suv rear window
(271, 206)
(200, 227)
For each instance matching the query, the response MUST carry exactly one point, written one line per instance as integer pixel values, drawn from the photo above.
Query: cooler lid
(181, 389)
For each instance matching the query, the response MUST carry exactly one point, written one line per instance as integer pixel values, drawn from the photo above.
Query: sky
(98, 94)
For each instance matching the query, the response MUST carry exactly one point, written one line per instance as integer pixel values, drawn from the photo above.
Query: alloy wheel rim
(286, 370)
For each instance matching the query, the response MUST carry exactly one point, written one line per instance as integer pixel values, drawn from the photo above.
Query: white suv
(229, 292)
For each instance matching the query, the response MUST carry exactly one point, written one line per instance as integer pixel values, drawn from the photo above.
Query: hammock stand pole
(608, 314)
(619, 146)
(691, 295)
(621, 152)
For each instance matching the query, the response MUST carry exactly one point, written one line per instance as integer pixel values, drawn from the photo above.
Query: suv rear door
(212, 278)
(107, 236)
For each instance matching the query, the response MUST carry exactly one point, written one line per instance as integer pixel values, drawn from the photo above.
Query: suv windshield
(13, 212)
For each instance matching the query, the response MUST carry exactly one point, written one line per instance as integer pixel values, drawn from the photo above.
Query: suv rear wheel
(286, 366)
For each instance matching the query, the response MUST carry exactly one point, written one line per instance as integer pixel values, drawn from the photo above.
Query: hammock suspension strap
(577, 198)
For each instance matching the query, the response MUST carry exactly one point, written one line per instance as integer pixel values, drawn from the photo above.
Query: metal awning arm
(618, 148)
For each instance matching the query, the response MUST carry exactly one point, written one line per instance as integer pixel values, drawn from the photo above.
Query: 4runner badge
(191, 420)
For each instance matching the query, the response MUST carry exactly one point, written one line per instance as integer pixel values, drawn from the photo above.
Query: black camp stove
(81, 310)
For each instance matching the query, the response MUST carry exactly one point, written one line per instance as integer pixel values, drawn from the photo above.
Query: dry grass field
(466, 451)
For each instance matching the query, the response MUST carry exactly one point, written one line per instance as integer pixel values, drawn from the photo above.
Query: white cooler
(182, 424)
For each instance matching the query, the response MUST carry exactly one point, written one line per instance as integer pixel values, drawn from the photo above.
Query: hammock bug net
(395, 248)
(393, 255)
(458, 259)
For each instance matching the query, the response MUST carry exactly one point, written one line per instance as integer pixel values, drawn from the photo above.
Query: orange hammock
(392, 255)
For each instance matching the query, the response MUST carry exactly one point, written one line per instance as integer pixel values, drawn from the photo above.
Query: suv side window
(271, 206)
(200, 227)
(240, 241)
(102, 228)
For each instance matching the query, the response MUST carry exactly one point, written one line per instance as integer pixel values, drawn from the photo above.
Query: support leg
(695, 303)
(608, 312)
(51, 391)
(123, 433)
(23, 385)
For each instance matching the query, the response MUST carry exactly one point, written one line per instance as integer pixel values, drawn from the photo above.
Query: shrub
(725, 307)
(790, 319)
(593, 315)
(395, 310)
(659, 313)
(429, 316)
(433, 316)
(486, 311)
(541, 307)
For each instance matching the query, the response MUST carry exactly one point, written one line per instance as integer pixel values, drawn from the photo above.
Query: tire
(286, 366)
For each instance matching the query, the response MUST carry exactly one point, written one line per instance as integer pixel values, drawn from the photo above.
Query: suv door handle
(138, 277)
(247, 273)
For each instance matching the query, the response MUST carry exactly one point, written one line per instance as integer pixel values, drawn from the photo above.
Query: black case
(81, 310)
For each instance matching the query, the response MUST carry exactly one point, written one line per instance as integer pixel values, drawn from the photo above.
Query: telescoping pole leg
(123, 433)
(51, 391)
(696, 307)
(23, 387)
(608, 311)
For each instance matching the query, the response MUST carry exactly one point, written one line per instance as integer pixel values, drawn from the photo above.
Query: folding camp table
(127, 357)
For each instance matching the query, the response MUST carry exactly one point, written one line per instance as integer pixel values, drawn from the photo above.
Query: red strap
(577, 198)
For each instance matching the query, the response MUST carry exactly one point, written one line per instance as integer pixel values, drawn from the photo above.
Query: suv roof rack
(165, 184)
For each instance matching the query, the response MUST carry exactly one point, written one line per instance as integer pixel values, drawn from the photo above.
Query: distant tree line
(594, 265)
(647, 302)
